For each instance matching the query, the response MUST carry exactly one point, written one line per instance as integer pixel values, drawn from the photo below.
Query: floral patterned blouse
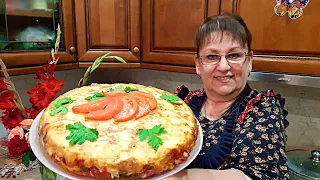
(250, 136)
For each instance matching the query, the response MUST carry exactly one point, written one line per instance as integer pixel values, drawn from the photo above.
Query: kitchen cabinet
(169, 27)
(281, 44)
(159, 34)
(147, 32)
(103, 26)
(27, 32)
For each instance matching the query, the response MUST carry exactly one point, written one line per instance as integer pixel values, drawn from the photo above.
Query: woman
(244, 131)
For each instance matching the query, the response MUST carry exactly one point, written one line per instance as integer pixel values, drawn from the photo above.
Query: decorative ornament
(293, 7)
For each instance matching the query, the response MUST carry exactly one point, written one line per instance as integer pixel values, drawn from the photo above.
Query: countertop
(33, 174)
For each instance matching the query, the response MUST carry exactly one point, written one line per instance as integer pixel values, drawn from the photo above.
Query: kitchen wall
(303, 103)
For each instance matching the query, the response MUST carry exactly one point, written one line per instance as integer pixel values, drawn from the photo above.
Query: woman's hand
(204, 174)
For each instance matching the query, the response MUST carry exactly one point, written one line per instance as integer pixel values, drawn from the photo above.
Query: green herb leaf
(61, 106)
(96, 96)
(129, 89)
(158, 130)
(154, 141)
(173, 99)
(64, 101)
(79, 133)
(143, 134)
(61, 109)
(117, 88)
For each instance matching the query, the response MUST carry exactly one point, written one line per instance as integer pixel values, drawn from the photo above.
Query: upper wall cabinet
(108, 25)
(28, 29)
(169, 27)
(281, 44)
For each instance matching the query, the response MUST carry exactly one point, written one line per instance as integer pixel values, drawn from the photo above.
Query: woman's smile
(223, 79)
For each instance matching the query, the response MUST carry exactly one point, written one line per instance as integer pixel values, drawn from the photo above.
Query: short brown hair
(231, 23)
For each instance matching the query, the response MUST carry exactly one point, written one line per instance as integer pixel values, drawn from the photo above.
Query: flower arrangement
(17, 118)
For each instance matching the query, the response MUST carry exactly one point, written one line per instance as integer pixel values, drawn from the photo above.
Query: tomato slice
(144, 107)
(115, 93)
(149, 97)
(129, 110)
(114, 107)
(92, 106)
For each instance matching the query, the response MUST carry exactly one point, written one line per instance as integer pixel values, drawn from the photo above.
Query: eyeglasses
(233, 57)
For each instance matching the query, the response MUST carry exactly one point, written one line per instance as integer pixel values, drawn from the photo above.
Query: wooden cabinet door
(281, 44)
(21, 21)
(108, 26)
(169, 27)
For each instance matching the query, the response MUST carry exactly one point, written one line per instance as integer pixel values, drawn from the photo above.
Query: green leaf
(143, 134)
(32, 156)
(57, 110)
(92, 134)
(173, 99)
(95, 65)
(96, 96)
(61, 106)
(117, 88)
(26, 158)
(129, 89)
(117, 58)
(154, 141)
(79, 133)
(61, 102)
(158, 130)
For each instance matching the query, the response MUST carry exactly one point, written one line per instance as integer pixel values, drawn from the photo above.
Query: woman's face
(223, 78)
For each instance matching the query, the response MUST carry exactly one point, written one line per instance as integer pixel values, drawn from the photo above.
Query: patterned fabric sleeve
(259, 144)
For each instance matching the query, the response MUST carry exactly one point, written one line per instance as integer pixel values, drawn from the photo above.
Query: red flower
(12, 118)
(44, 92)
(3, 85)
(37, 96)
(7, 101)
(41, 73)
(33, 112)
(17, 146)
(49, 68)
(51, 86)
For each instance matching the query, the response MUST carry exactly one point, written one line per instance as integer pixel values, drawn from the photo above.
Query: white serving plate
(42, 156)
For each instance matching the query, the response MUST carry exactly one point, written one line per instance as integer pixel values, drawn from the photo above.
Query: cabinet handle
(136, 50)
(72, 50)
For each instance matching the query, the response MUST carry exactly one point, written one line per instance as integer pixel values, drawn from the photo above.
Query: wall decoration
(293, 7)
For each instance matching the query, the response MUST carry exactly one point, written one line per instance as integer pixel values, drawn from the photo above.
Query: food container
(304, 164)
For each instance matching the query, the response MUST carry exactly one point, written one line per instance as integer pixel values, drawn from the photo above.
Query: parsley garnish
(61, 106)
(173, 99)
(154, 140)
(127, 89)
(117, 88)
(79, 133)
(96, 95)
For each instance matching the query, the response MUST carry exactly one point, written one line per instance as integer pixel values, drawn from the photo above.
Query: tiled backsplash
(303, 103)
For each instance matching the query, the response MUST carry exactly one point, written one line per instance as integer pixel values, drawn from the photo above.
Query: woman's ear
(197, 63)
(250, 57)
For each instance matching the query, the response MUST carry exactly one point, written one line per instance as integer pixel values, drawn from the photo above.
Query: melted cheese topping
(118, 148)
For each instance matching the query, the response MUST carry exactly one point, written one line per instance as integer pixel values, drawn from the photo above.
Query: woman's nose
(223, 64)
